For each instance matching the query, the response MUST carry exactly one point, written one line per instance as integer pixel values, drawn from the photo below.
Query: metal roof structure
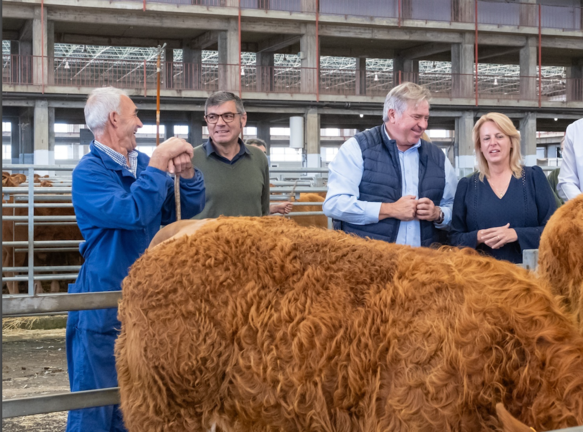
(290, 60)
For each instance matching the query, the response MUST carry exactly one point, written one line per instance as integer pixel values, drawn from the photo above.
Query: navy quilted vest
(381, 182)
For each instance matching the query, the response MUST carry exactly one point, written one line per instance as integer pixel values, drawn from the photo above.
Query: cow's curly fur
(256, 324)
(561, 256)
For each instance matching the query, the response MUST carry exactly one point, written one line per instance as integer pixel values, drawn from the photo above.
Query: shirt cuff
(371, 212)
(446, 218)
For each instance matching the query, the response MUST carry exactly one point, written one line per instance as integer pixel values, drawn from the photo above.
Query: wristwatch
(441, 216)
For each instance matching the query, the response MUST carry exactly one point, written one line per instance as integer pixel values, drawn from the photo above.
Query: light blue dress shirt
(345, 174)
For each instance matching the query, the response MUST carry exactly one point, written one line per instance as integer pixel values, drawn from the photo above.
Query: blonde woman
(503, 208)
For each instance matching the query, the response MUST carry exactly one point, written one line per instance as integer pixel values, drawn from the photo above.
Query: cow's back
(304, 329)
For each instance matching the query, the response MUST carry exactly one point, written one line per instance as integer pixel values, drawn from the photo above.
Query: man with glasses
(236, 176)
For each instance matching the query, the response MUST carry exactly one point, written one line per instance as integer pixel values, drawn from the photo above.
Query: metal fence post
(30, 231)
(530, 259)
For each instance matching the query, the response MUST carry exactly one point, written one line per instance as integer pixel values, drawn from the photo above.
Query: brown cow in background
(256, 324)
(13, 232)
(310, 221)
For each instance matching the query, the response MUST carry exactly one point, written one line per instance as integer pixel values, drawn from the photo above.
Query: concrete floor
(33, 364)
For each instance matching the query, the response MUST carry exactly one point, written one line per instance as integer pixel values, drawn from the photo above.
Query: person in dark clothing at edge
(120, 197)
(503, 208)
(387, 183)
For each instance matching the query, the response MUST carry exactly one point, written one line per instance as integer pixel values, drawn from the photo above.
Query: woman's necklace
(500, 189)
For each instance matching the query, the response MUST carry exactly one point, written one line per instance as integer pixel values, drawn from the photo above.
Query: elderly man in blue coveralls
(387, 183)
(121, 197)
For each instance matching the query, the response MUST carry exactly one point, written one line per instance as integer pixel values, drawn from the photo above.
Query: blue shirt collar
(416, 146)
(108, 156)
(210, 149)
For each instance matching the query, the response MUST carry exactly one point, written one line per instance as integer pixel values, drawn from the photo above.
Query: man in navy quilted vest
(387, 183)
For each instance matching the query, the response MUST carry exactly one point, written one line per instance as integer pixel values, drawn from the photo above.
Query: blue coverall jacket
(118, 215)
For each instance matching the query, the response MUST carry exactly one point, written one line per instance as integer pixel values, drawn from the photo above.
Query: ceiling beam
(425, 50)
(205, 40)
(131, 18)
(336, 51)
(79, 39)
(489, 52)
(25, 32)
(10, 35)
(276, 43)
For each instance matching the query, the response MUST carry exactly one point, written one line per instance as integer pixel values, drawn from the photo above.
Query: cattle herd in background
(18, 231)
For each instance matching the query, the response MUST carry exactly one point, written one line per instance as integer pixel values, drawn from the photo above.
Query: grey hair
(220, 97)
(256, 142)
(100, 103)
(400, 96)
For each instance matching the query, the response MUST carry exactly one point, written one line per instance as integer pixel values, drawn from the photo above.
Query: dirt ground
(33, 364)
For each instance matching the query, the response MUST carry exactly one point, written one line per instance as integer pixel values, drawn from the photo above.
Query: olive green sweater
(238, 189)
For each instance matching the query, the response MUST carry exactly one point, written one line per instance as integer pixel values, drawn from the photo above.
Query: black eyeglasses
(227, 117)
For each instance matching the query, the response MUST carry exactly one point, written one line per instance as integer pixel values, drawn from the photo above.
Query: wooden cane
(176, 175)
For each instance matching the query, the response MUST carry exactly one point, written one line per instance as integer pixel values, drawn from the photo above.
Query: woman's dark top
(527, 206)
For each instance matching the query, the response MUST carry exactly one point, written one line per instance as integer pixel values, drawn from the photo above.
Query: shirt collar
(388, 136)
(118, 158)
(210, 148)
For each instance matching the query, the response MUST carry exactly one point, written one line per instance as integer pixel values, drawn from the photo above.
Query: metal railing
(140, 75)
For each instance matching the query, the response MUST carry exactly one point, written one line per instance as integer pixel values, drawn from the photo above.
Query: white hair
(100, 103)
(400, 96)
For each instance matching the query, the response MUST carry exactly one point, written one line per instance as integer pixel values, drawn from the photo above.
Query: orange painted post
(540, 71)
(476, 49)
(399, 12)
(317, 51)
(145, 87)
(144, 6)
(42, 44)
(240, 84)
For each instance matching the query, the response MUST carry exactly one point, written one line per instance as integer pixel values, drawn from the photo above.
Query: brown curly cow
(256, 324)
(561, 256)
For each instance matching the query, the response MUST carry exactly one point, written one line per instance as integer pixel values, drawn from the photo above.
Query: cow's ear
(509, 422)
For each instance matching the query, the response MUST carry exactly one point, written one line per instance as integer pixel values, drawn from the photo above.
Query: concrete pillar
(26, 124)
(40, 41)
(462, 66)
(308, 5)
(15, 62)
(463, 10)
(15, 139)
(360, 78)
(552, 151)
(168, 68)
(192, 67)
(528, 69)
(52, 136)
(264, 64)
(229, 58)
(168, 131)
(405, 70)
(464, 146)
(528, 13)
(575, 81)
(528, 139)
(42, 127)
(264, 133)
(407, 9)
(50, 53)
(195, 123)
(310, 61)
(313, 138)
